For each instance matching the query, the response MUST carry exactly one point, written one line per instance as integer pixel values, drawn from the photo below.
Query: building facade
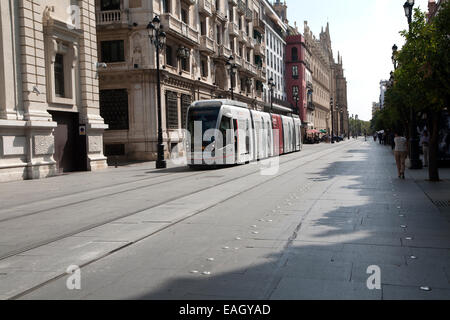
(201, 37)
(296, 74)
(49, 102)
(321, 76)
(275, 33)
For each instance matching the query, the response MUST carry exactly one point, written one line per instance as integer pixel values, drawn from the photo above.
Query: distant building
(375, 107)
(383, 88)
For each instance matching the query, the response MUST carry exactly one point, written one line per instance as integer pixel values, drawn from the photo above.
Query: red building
(295, 73)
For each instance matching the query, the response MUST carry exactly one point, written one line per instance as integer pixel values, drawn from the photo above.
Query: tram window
(225, 126)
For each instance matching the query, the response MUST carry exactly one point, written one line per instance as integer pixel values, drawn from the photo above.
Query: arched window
(294, 54)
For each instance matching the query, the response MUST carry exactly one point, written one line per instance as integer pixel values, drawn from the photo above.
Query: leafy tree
(421, 83)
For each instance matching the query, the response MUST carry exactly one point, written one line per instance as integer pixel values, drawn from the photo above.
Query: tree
(421, 80)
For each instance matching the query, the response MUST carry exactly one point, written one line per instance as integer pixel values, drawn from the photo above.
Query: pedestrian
(400, 152)
(425, 143)
(375, 137)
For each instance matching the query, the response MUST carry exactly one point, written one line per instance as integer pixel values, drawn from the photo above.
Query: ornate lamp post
(158, 39)
(394, 56)
(296, 99)
(272, 86)
(232, 68)
(415, 162)
(332, 119)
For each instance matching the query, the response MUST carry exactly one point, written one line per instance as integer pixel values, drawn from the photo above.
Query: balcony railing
(248, 14)
(234, 29)
(112, 16)
(179, 28)
(206, 44)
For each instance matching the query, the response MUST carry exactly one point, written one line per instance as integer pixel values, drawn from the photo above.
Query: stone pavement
(310, 232)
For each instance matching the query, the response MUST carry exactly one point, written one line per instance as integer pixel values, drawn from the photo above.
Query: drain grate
(442, 203)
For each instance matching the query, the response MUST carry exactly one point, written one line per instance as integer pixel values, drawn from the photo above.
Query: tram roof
(219, 103)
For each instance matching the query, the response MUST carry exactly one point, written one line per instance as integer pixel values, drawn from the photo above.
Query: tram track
(317, 156)
(129, 214)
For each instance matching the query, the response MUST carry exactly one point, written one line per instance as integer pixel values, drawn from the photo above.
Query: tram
(226, 132)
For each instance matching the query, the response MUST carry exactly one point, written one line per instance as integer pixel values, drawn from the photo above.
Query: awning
(312, 131)
(323, 131)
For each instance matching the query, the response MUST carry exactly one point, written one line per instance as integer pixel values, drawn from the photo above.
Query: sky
(364, 33)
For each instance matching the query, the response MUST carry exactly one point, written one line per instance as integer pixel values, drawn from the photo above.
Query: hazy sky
(364, 33)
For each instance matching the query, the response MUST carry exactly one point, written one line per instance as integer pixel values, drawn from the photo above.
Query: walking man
(400, 152)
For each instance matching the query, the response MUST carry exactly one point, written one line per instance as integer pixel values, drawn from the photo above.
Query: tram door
(228, 139)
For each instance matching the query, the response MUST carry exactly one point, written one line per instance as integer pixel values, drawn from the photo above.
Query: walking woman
(400, 152)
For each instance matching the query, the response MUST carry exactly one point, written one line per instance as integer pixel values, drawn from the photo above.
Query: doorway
(70, 146)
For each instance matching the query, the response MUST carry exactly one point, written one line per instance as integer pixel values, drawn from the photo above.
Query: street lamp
(272, 86)
(408, 6)
(415, 162)
(296, 99)
(332, 119)
(394, 56)
(232, 68)
(158, 39)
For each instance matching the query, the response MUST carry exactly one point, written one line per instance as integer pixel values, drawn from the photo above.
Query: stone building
(201, 36)
(341, 106)
(49, 104)
(321, 76)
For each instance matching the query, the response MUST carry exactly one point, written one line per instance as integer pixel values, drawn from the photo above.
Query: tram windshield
(208, 118)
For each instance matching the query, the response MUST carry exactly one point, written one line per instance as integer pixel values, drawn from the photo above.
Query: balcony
(260, 48)
(248, 14)
(234, 29)
(261, 73)
(259, 25)
(311, 106)
(233, 3)
(250, 68)
(205, 7)
(223, 52)
(179, 29)
(242, 36)
(241, 7)
(189, 2)
(220, 16)
(112, 17)
(207, 45)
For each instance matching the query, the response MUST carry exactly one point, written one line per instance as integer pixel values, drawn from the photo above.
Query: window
(185, 103)
(185, 64)
(107, 5)
(203, 27)
(171, 110)
(169, 56)
(114, 108)
(113, 51)
(59, 76)
(204, 68)
(294, 54)
(295, 72)
(166, 6)
(184, 15)
(295, 91)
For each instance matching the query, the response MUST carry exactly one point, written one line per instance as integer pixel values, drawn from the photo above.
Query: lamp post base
(160, 162)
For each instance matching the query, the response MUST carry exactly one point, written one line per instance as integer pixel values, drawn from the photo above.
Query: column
(90, 105)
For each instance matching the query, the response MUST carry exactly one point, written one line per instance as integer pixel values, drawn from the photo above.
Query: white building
(276, 29)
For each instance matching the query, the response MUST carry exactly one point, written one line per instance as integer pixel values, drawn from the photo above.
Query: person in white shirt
(400, 152)
(425, 143)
